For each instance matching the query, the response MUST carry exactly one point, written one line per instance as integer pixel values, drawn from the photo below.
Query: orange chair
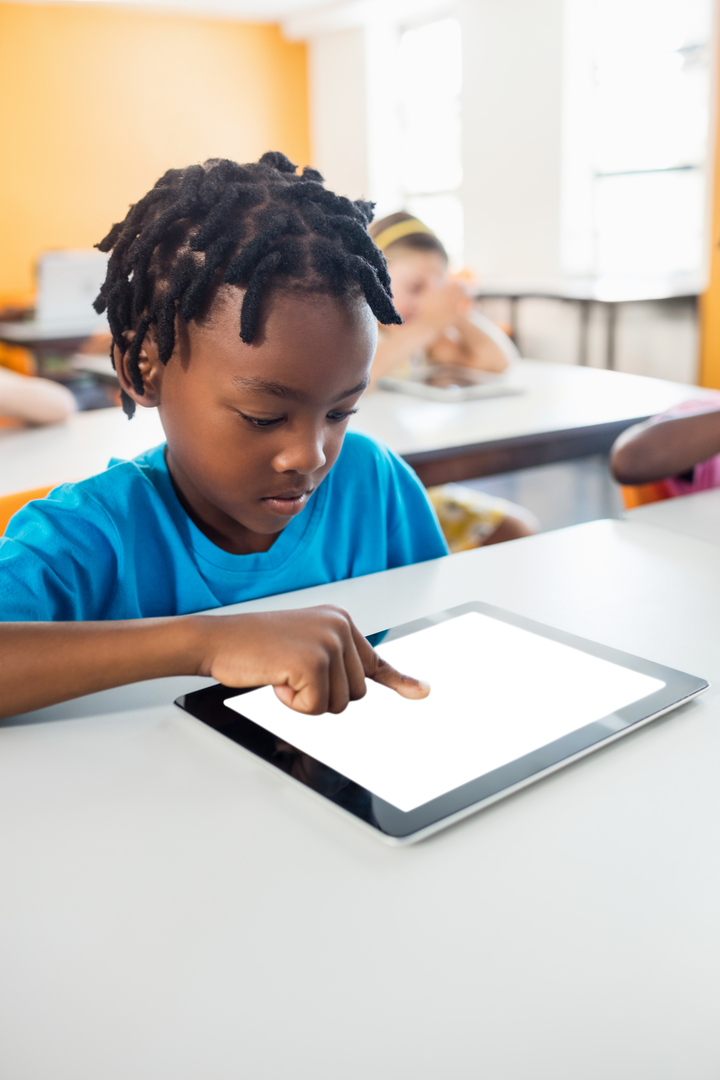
(17, 358)
(10, 504)
(643, 494)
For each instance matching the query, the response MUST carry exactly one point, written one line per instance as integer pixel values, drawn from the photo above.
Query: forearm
(37, 401)
(653, 451)
(482, 351)
(316, 658)
(45, 663)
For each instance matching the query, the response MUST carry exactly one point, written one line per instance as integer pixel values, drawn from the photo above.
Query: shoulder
(121, 480)
(363, 451)
(378, 490)
(99, 502)
(368, 465)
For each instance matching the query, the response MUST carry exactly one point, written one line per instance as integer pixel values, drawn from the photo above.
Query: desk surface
(172, 908)
(692, 515)
(474, 438)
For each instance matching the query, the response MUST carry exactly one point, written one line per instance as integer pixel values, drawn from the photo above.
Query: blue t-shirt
(120, 546)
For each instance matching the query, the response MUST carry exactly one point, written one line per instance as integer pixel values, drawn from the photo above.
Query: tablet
(512, 700)
(448, 383)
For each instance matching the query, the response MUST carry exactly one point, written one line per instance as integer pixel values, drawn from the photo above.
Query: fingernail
(425, 692)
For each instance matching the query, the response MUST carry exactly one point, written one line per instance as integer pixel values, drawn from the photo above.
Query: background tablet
(511, 700)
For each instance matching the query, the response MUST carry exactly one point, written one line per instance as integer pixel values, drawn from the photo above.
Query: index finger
(382, 672)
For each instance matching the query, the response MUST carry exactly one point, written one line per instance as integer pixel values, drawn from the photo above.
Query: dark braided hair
(258, 226)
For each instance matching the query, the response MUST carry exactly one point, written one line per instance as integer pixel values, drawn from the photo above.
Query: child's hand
(441, 307)
(316, 659)
(446, 350)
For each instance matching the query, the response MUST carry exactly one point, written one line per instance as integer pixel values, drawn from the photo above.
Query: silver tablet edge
(474, 808)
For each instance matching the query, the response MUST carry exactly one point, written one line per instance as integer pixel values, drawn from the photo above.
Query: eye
(337, 417)
(257, 422)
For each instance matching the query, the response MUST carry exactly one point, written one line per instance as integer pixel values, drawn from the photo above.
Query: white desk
(170, 908)
(567, 412)
(692, 515)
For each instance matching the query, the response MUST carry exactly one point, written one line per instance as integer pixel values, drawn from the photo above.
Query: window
(429, 81)
(641, 159)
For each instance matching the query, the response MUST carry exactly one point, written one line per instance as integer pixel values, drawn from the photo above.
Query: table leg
(514, 301)
(611, 336)
(584, 335)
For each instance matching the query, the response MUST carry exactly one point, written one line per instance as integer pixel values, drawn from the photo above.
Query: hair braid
(250, 310)
(260, 226)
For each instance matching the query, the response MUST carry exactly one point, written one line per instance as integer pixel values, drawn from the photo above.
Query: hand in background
(449, 350)
(444, 306)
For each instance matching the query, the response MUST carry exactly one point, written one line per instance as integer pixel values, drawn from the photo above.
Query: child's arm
(316, 658)
(654, 451)
(37, 401)
(480, 350)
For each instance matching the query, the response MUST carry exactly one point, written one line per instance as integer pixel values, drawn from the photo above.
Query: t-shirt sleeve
(414, 534)
(58, 561)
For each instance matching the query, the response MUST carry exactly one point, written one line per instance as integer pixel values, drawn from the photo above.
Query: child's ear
(151, 369)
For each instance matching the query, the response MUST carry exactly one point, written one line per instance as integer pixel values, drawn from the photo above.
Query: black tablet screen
(498, 692)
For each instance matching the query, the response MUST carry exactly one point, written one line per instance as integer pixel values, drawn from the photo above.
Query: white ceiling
(300, 19)
(245, 10)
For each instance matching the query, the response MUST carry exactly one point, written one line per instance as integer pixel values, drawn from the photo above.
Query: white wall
(512, 120)
(338, 110)
(353, 115)
(513, 71)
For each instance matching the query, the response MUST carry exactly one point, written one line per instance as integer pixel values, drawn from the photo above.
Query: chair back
(643, 494)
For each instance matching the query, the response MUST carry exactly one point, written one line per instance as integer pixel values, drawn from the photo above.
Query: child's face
(413, 275)
(252, 430)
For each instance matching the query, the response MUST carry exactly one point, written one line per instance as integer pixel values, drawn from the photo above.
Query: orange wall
(710, 300)
(97, 104)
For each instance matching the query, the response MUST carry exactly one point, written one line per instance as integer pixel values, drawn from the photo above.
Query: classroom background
(173, 907)
(563, 150)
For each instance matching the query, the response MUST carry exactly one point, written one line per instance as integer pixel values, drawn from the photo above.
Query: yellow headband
(399, 230)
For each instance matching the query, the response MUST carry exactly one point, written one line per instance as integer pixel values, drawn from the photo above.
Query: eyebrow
(265, 386)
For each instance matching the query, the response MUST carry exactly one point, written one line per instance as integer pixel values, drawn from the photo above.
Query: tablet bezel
(399, 827)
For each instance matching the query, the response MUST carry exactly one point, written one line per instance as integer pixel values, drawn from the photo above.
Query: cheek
(333, 444)
(208, 439)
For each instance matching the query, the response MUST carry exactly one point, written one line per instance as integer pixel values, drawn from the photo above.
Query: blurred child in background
(440, 327)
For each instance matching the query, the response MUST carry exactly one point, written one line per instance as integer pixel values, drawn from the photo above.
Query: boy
(100, 579)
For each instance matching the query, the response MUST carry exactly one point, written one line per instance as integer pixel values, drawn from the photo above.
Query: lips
(287, 503)
(289, 494)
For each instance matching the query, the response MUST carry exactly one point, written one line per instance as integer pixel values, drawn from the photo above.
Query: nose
(303, 453)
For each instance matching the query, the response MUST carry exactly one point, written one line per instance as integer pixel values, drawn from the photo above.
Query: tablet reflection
(321, 778)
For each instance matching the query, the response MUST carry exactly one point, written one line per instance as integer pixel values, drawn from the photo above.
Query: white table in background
(608, 292)
(692, 515)
(78, 448)
(566, 412)
(171, 908)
